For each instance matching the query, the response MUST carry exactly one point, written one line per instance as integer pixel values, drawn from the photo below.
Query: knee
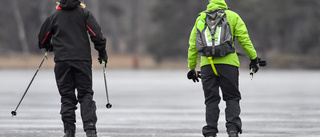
(213, 101)
(85, 96)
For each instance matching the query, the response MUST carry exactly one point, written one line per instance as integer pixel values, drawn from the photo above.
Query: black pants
(228, 81)
(71, 75)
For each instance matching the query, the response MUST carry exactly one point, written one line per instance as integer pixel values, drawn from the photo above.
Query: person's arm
(193, 54)
(242, 35)
(96, 36)
(45, 35)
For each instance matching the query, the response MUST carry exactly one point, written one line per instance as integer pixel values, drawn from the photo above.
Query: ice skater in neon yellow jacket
(227, 70)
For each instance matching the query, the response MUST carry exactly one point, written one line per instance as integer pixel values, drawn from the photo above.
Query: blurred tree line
(285, 32)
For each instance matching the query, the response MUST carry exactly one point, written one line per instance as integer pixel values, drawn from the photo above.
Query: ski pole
(14, 113)
(109, 105)
(251, 73)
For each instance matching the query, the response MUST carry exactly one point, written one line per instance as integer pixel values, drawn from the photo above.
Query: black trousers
(228, 81)
(71, 75)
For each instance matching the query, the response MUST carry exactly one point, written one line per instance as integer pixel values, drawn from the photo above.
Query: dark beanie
(69, 4)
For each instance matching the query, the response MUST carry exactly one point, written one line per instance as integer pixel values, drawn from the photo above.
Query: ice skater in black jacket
(65, 32)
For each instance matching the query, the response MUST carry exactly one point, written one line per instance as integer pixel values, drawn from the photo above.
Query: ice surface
(163, 103)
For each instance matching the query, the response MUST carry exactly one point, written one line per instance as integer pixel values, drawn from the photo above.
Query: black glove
(103, 56)
(254, 64)
(47, 47)
(192, 74)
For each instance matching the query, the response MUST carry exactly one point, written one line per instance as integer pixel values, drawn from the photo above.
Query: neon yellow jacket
(238, 29)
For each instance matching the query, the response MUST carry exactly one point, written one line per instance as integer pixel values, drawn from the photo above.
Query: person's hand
(254, 65)
(103, 57)
(193, 74)
(48, 47)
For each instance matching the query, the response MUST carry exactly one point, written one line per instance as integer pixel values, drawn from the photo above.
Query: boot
(91, 133)
(69, 133)
(233, 134)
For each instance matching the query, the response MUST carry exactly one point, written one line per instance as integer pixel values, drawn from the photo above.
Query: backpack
(214, 37)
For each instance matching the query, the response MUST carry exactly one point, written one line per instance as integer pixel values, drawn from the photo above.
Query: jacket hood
(217, 4)
(69, 4)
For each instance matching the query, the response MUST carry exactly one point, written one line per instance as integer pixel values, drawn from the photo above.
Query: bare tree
(20, 27)
(95, 9)
(43, 10)
(114, 24)
(132, 37)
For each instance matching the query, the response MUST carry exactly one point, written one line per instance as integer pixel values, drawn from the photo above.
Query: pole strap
(213, 67)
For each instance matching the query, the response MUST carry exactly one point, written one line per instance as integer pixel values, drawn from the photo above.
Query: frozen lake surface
(163, 103)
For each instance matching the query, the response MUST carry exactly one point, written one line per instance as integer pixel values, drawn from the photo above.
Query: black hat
(69, 4)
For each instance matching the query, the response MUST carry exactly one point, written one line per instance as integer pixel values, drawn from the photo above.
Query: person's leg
(210, 84)
(229, 83)
(83, 76)
(65, 82)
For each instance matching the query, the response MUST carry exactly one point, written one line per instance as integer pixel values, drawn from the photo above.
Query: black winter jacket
(66, 30)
